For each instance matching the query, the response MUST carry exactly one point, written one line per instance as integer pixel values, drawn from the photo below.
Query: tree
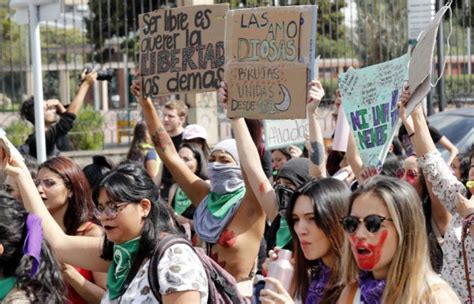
(381, 31)
(117, 19)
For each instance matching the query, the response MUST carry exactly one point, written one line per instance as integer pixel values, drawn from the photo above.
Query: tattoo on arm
(317, 155)
(161, 139)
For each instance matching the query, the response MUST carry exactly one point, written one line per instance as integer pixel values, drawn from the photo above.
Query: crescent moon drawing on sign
(285, 103)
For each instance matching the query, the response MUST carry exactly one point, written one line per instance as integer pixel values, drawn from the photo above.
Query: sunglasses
(409, 175)
(372, 222)
(110, 210)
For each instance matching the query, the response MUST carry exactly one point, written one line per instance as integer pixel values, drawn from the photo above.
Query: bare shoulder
(347, 294)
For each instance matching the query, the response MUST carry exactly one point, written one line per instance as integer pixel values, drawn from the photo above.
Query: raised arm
(448, 145)
(424, 146)
(81, 251)
(78, 101)
(353, 158)
(194, 187)
(317, 165)
(250, 163)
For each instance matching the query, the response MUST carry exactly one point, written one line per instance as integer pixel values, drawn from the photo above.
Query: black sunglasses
(372, 222)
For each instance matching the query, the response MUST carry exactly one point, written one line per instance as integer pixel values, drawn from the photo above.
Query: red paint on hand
(261, 187)
(227, 239)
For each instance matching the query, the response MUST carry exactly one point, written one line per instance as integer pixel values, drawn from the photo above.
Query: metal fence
(104, 33)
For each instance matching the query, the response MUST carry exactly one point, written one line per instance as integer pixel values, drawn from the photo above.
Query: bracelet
(411, 134)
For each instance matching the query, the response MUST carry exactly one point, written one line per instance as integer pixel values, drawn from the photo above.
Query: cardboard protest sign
(369, 99)
(182, 49)
(258, 90)
(268, 53)
(421, 62)
(282, 133)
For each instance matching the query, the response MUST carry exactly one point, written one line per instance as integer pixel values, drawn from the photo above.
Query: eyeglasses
(110, 210)
(48, 183)
(409, 174)
(372, 222)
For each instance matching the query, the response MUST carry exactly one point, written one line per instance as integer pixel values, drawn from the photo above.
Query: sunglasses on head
(372, 222)
(409, 174)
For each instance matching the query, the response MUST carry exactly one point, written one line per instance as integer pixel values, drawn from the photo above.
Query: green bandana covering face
(220, 204)
(6, 285)
(181, 201)
(124, 255)
(283, 234)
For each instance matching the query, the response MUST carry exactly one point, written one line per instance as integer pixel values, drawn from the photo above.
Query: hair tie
(34, 237)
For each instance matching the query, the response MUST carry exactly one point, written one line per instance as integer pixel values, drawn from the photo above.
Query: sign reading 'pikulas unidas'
(268, 51)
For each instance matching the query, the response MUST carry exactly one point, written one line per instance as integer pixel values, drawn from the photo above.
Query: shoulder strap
(163, 244)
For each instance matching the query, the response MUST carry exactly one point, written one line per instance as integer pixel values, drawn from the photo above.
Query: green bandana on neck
(220, 204)
(283, 234)
(181, 201)
(124, 255)
(6, 285)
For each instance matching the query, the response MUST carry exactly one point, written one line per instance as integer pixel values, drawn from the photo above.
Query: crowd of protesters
(402, 233)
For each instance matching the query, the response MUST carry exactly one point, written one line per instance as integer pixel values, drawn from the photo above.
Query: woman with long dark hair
(134, 220)
(313, 217)
(66, 193)
(142, 151)
(29, 272)
(228, 217)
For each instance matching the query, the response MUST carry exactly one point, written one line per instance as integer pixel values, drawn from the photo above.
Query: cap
(194, 131)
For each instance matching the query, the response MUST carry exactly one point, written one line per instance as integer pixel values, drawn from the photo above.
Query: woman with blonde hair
(385, 257)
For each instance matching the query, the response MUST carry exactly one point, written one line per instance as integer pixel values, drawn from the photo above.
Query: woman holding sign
(457, 263)
(260, 185)
(228, 218)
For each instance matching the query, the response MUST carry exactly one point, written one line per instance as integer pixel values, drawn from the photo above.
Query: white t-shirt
(178, 270)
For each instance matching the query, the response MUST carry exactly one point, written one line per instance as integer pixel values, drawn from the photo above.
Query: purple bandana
(318, 284)
(371, 290)
(33, 240)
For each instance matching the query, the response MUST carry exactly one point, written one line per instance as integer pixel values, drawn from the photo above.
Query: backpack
(222, 286)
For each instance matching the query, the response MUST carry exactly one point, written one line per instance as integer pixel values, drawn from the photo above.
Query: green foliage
(18, 131)
(459, 86)
(13, 50)
(330, 87)
(121, 20)
(87, 133)
(381, 31)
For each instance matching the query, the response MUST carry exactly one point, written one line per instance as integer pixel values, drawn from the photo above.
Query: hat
(296, 171)
(194, 131)
(229, 146)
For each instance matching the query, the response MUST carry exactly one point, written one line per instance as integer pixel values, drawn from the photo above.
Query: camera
(284, 195)
(102, 74)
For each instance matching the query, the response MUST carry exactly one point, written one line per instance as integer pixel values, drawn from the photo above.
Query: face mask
(224, 178)
(284, 196)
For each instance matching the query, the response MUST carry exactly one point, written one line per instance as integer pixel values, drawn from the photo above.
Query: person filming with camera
(58, 120)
